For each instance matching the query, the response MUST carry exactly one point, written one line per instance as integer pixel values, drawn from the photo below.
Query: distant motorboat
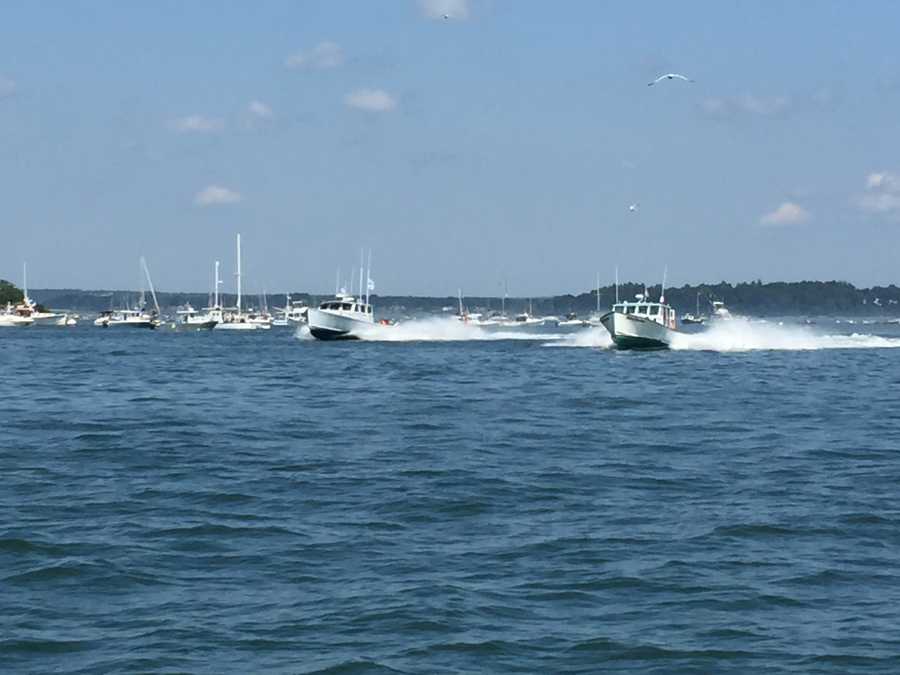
(9, 319)
(293, 313)
(127, 318)
(696, 318)
(192, 319)
(28, 308)
(572, 320)
(720, 311)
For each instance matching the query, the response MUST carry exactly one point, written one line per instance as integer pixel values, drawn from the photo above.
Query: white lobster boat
(641, 324)
(342, 318)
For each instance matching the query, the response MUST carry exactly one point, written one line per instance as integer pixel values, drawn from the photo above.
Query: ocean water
(438, 500)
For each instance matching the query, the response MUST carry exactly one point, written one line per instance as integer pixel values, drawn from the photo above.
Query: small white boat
(573, 321)
(293, 313)
(127, 318)
(192, 319)
(720, 311)
(9, 319)
(642, 324)
(522, 320)
(696, 318)
(28, 308)
(342, 318)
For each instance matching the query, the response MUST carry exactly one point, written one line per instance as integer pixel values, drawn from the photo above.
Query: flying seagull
(633, 207)
(446, 16)
(669, 76)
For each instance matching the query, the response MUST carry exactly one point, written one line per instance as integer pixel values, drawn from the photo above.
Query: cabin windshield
(654, 310)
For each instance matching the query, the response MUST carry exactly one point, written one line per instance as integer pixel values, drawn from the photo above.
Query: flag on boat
(370, 285)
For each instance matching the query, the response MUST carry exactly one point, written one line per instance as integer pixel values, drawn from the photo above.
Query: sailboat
(235, 318)
(137, 317)
(696, 318)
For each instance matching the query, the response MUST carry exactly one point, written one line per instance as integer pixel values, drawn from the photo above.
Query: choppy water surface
(237, 503)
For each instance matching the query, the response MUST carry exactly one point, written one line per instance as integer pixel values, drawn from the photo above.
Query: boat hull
(629, 331)
(198, 325)
(329, 326)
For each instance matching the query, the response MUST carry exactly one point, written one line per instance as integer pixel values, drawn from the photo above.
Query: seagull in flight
(669, 76)
(633, 207)
(446, 16)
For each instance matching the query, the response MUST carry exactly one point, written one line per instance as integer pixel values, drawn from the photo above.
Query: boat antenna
(617, 284)
(361, 267)
(598, 292)
(150, 282)
(662, 291)
(370, 285)
(25, 283)
(337, 281)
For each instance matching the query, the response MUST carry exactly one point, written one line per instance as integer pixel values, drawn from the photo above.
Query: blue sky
(505, 142)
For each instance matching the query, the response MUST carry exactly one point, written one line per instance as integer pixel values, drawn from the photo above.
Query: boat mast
(239, 272)
(150, 282)
(25, 283)
(216, 291)
(598, 293)
(361, 267)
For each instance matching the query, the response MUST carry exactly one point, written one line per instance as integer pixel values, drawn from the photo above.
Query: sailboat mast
(216, 291)
(239, 272)
(150, 282)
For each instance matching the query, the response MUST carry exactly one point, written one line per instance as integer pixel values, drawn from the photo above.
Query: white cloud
(197, 124)
(788, 213)
(260, 110)
(882, 193)
(323, 55)
(216, 194)
(746, 104)
(373, 100)
(7, 87)
(438, 9)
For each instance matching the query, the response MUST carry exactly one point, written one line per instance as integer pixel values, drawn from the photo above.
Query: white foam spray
(739, 336)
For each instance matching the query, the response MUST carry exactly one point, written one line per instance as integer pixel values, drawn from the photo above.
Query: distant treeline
(755, 298)
(9, 293)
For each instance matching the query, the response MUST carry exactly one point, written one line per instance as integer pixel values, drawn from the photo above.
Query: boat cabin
(653, 311)
(346, 304)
